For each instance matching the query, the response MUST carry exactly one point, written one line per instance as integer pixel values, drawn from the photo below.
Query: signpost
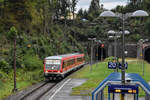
(115, 65)
(123, 89)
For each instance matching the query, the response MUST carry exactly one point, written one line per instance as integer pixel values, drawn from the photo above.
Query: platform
(63, 90)
(115, 78)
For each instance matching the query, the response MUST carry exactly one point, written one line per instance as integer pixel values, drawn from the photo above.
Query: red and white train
(56, 67)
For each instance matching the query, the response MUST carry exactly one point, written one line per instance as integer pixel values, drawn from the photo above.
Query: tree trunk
(15, 89)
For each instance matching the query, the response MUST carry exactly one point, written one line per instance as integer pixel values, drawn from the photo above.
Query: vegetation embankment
(100, 72)
(25, 76)
(24, 80)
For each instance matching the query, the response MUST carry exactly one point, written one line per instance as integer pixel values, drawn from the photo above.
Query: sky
(108, 4)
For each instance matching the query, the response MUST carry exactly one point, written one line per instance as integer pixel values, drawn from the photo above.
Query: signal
(102, 45)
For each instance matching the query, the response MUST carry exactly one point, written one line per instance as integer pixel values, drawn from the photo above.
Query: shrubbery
(4, 66)
(110, 59)
(32, 62)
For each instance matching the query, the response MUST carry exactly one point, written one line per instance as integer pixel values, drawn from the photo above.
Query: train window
(64, 64)
(79, 59)
(68, 63)
(82, 58)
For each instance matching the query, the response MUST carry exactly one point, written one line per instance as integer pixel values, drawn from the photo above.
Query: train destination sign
(53, 62)
(123, 89)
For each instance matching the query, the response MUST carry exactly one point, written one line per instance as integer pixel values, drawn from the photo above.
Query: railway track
(35, 92)
(38, 92)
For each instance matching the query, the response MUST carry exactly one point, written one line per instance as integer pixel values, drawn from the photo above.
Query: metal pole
(97, 51)
(116, 51)
(123, 57)
(123, 49)
(108, 96)
(101, 53)
(142, 59)
(115, 47)
(91, 54)
(113, 97)
(97, 55)
(15, 89)
(122, 96)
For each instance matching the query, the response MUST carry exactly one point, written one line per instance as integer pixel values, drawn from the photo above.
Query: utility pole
(142, 41)
(91, 62)
(97, 43)
(115, 49)
(13, 35)
(15, 89)
(102, 51)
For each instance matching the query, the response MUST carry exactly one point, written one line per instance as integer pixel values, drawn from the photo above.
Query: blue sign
(123, 89)
(112, 65)
(120, 65)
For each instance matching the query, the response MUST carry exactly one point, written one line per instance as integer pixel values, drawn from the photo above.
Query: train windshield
(53, 64)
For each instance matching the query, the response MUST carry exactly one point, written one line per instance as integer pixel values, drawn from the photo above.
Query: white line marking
(59, 89)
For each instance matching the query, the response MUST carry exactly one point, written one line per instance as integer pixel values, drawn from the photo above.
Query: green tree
(73, 7)
(94, 8)
(12, 34)
(65, 5)
(4, 66)
(80, 14)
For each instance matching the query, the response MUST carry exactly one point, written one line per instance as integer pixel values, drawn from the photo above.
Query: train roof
(61, 56)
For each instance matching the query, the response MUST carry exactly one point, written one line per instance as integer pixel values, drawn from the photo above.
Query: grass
(100, 72)
(24, 80)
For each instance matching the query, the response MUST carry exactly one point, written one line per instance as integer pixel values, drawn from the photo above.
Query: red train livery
(56, 67)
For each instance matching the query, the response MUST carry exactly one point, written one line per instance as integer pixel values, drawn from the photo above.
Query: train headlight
(46, 71)
(58, 71)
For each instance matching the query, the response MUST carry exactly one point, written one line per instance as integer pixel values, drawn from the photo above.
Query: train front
(52, 68)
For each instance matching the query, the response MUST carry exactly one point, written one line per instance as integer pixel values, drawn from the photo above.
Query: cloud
(84, 4)
(108, 4)
(111, 5)
(106, 1)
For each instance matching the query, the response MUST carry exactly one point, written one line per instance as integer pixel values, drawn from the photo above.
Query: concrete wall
(131, 48)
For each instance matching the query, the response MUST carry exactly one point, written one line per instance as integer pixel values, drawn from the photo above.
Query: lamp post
(92, 41)
(123, 17)
(142, 52)
(15, 88)
(97, 41)
(115, 36)
(102, 51)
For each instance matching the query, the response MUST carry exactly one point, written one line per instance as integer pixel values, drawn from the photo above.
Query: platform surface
(63, 90)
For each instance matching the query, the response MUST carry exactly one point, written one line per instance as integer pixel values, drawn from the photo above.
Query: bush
(1, 84)
(110, 59)
(32, 62)
(4, 66)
